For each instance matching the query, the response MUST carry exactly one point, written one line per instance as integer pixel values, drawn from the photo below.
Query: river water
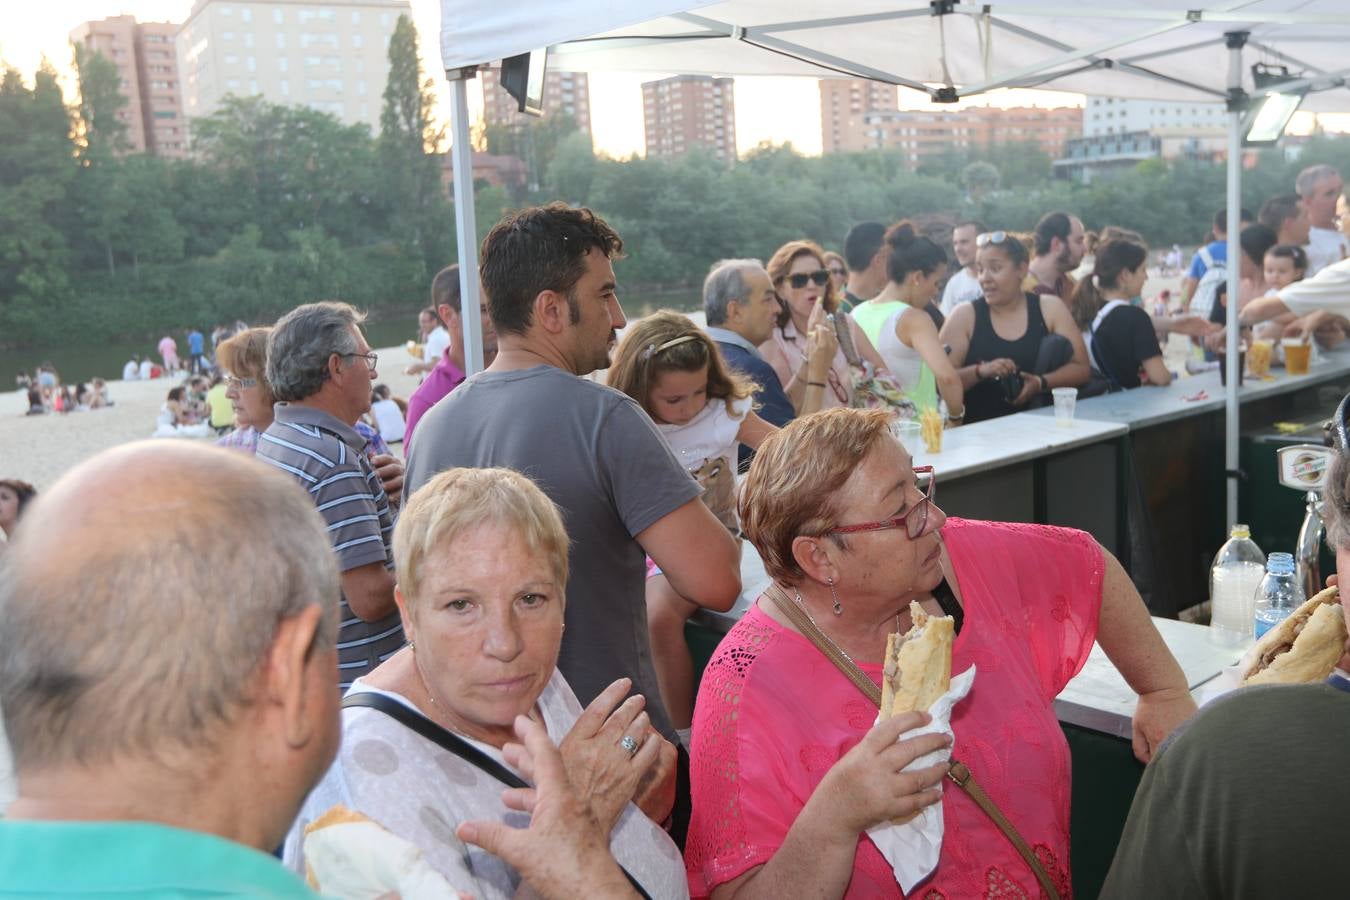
(81, 363)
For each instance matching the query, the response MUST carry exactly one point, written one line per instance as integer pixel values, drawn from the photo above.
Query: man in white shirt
(1326, 292)
(1320, 187)
(963, 286)
(132, 370)
(434, 341)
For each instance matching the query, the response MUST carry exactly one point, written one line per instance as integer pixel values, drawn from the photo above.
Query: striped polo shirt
(327, 457)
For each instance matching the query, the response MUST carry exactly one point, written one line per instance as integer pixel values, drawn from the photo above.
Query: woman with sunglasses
(1011, 346)
(807, 296)
(838, 270)
(789, 773)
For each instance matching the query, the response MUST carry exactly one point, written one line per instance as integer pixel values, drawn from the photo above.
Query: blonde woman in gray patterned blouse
(481, 559)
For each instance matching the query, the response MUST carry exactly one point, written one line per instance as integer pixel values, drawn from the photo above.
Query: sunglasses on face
(800, 280)
(991, 237)
(838, 271)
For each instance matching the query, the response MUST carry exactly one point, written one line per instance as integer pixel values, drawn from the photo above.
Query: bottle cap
(1240, 531)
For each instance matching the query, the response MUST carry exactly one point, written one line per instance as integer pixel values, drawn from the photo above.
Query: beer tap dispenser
(1303, 467)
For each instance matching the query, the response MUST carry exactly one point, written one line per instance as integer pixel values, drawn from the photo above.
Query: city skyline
(772, 109)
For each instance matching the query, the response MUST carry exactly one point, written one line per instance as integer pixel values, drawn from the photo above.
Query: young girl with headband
(674, 370)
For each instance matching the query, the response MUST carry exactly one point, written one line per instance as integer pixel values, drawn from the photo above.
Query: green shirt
(1247, 802)
(849, 301)
(135, 859)
(222, 412)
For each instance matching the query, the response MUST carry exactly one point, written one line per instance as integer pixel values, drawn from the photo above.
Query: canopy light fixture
(523, 79)
(1271, 109)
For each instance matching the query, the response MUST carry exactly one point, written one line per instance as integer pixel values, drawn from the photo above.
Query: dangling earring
(838, 607)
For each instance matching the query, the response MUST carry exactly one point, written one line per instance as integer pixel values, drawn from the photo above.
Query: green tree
(101, 138)
(533, 140)
(407, 147)
(36, 171)
(293, 167)
(979, 179)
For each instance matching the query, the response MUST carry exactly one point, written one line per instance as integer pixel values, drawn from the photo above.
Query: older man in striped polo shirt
(320, 369)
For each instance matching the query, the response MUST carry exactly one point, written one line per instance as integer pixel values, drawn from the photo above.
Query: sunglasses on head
(991, 237)
(799, 281)
(1339, 439)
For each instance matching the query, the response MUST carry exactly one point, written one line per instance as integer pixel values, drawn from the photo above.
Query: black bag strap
(448, 740)
(436, 734)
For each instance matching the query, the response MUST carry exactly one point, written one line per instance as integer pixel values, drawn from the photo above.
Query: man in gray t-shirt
(550, 288)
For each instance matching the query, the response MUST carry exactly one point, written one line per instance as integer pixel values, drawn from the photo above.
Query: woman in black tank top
(1002, 375)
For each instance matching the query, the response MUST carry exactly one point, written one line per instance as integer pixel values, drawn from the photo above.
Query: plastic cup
(1223, 367)
(1066, 398)
(1258, 358)
(1297, 356)
(906, 431)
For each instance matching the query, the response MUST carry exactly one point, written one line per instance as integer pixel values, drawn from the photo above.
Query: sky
(43, 28)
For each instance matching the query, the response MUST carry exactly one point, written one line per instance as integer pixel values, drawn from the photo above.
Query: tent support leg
(1233, 360)
(461, 152)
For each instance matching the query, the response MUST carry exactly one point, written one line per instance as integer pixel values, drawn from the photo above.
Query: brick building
(147, 70)
(687, 111)
(564, 93)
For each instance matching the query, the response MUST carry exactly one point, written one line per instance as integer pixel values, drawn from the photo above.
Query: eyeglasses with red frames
(912, 521)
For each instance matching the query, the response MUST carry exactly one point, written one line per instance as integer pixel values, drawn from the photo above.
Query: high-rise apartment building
(919, 134)
(565, 93)
(147, 71)
(843, 104)
(1119, 115)
(690, 111)
(326, 54)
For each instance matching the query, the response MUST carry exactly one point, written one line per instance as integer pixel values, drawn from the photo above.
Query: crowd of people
(45, 392)
(506, 611)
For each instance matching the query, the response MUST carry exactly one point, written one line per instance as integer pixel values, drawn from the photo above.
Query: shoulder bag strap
(844, 334)
(428, 729)
(956, 770)
(455, 744)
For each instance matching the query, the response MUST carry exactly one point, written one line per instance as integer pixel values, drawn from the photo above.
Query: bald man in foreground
(167, 722)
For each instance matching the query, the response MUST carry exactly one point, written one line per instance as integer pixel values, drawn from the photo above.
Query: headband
(653, 349)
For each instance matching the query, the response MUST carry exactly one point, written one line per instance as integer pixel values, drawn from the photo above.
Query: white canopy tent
(1178, 50)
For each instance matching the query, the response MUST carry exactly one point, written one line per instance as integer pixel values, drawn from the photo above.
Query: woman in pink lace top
(788, 771)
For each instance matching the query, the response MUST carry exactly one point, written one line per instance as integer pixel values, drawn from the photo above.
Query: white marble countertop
(996, 443)
(1149, 405)
(1099, 699)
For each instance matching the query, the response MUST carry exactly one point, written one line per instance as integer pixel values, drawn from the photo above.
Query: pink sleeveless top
(773, 715)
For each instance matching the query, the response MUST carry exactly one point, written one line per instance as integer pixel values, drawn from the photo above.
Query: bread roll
(1304, 647)
(918, 668)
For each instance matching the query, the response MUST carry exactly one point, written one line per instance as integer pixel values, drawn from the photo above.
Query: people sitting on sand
(176, 419)
(35, 405)
(220, 413)
(132, 370)
(98, 394)
(387, 414)
(148, 369)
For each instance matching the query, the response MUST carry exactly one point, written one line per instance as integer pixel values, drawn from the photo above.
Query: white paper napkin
(913, 849)
(362, 861)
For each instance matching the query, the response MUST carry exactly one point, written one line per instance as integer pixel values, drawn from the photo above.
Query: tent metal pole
(461, 155)
(1233, 359)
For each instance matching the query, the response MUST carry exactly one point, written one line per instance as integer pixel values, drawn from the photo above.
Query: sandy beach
(38, 449)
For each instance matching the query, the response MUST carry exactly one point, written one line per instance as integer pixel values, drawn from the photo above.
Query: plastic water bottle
(1279, 595)
(1238, 569)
